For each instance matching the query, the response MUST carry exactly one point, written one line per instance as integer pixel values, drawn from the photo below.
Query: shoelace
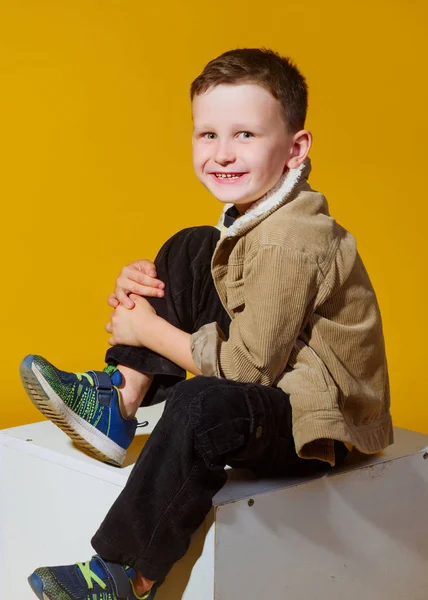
(89, 575)
(80, 376)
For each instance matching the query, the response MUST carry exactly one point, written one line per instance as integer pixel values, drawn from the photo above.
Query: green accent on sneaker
(110, 369)
(85, 569)
(82, 399)
(91, 580)
(84, 405)
(146, 595)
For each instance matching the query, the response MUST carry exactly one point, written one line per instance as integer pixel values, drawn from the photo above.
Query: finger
(109, 328)
(112, 341)
(142, 290)
(128, 286)
(135, 298)
(132, 273)
(146, 266)
(113, 301)
(123, 298)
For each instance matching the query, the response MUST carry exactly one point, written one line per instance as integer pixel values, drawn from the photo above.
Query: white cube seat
(358, 532)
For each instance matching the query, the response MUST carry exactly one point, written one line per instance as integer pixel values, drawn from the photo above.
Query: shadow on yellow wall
(96, 169)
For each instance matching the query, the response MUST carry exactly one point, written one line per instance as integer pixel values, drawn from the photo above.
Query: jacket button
(259, 431)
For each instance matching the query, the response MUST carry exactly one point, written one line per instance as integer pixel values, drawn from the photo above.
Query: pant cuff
(145, 361)
(110, 552)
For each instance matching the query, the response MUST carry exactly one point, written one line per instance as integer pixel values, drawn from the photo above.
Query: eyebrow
(237, 126)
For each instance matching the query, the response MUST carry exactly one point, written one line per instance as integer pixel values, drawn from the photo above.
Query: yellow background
(96, 171)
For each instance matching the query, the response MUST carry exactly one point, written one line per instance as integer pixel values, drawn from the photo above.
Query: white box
(360, 532)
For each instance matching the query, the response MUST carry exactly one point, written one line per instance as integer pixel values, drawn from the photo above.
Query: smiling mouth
(227, 176)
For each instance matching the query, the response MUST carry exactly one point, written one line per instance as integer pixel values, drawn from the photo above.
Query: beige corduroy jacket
(304, 317)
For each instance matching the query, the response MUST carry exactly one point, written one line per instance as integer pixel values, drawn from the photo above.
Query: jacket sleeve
(279, 292)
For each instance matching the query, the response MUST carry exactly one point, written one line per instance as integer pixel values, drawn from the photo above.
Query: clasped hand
(133, 319)
(132, 327)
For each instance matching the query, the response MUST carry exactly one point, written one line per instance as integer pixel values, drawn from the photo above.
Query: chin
(231, 196)
(232, 200)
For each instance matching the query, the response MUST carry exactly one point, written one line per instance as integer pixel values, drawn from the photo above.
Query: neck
(243, 208)
(274, 198)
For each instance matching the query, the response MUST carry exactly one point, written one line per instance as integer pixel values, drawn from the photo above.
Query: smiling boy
(275, 315)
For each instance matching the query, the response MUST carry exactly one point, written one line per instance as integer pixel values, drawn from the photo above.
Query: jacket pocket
(304, 359)
(235, 293)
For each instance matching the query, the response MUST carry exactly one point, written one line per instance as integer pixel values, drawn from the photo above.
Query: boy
(275, 315)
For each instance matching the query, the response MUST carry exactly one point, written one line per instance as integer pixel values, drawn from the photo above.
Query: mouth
(227, 178)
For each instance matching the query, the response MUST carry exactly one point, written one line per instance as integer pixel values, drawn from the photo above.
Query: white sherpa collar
(274, 198)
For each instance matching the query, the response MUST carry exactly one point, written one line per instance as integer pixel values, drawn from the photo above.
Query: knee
(198, 232)
(191, 240)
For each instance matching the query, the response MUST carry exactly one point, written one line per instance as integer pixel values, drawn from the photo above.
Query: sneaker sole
(50, 404)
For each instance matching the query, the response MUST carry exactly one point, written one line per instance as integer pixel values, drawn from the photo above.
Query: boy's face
(239, 130)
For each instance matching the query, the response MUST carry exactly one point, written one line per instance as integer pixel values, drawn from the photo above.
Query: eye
(209, 135)
(245, 135)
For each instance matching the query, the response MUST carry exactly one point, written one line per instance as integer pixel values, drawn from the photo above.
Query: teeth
(227, 176)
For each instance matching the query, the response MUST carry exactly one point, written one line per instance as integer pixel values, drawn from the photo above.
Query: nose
(224, 154)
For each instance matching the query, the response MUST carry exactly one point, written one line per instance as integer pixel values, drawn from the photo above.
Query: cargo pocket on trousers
(223, 440)
(258, 429)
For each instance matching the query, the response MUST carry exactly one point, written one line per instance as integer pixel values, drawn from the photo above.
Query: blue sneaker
(94, 580)
(84, 405)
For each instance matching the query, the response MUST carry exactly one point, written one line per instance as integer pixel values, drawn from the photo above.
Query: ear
(302, 142)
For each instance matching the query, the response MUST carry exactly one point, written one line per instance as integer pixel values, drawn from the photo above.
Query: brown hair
(277, 74)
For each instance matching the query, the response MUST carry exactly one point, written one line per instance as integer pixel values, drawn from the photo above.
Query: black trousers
(207, 423)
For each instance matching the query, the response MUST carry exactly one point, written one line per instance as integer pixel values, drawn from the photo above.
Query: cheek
(194, 157)
(199, 156)
(199, 160)
(272, 163)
